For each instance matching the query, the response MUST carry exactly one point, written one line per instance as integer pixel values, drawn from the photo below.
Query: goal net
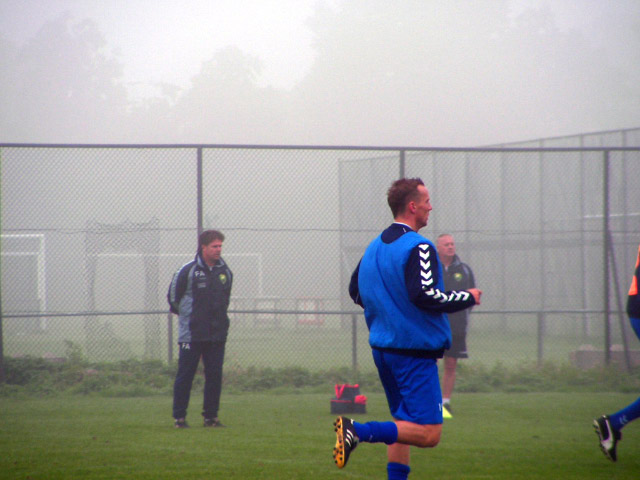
(23, 285)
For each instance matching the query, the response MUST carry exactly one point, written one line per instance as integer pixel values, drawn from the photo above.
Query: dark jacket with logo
(458, 276)
(200, 295)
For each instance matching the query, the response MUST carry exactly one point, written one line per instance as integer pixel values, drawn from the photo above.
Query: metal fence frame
(609, 272)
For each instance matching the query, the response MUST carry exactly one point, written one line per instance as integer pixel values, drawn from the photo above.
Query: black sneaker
(608, 437)
(180, 423)
(213, 422)
(346, 440)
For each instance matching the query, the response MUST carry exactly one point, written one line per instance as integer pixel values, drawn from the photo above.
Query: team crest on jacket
(223, 278)
(457, 276)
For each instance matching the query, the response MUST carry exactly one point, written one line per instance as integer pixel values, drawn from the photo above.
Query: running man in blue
(608, 427)
(399, 284)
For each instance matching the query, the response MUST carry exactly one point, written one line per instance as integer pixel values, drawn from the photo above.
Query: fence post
(354, 342)
(169, 338)
(620, 308)
(199, 188)
(605, 258)
(540, 338)
(1, 348)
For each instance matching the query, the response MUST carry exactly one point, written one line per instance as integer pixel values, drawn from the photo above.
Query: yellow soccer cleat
(346, 441)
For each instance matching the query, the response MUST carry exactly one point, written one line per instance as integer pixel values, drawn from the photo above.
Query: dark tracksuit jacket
(200, 295)
(458, 276)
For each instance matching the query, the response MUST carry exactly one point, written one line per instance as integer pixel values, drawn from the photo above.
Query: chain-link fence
(92, 234)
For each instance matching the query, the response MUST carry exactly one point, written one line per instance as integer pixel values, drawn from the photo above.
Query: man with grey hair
(457, 276)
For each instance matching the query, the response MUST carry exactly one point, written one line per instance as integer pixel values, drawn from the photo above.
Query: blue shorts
(412, 387)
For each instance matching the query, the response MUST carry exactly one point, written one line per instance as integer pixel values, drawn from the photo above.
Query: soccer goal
(246, 268)
(24, 286)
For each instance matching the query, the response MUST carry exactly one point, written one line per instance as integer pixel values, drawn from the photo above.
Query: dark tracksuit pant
(212, 354)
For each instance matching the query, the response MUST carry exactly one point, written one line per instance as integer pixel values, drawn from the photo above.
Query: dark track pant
(212, 354)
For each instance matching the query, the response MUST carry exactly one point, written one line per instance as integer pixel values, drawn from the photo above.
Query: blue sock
(626, 415)
(397, 471)
(375, 432)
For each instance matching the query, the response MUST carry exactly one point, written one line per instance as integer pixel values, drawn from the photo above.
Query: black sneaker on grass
(608, 437)
(346, 441)
(213, 422)
(180, 423)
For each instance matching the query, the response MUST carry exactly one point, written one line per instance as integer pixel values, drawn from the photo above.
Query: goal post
(24, 284)
(247, 268)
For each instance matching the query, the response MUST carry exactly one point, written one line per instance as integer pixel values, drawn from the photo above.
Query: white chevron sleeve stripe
(427, 281)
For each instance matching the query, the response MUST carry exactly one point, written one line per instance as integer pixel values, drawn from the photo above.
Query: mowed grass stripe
(290, 436)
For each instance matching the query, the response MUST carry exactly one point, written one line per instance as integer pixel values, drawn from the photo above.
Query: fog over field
(317, 72)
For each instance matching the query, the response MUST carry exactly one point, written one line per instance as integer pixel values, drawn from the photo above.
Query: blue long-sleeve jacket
(399, 284)
(200, 296)
(633, 301)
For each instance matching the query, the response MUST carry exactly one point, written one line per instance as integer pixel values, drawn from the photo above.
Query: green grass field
(290, 436)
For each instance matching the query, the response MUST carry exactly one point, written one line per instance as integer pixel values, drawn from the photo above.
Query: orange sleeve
(633, 290)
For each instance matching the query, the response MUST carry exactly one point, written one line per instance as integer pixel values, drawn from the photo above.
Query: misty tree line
(374, 68)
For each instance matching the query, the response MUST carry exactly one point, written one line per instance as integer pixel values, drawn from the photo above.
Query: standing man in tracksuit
(399, 284)
(199, 294)
(457, 276)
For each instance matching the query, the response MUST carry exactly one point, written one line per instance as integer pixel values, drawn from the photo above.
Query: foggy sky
(326, 72)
